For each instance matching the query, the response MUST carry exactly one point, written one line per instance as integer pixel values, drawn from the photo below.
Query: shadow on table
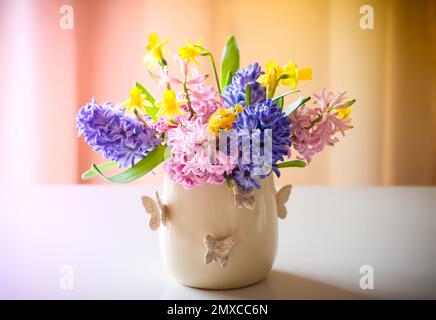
(284, 285)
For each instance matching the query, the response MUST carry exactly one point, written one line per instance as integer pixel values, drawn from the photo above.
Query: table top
(93, 242)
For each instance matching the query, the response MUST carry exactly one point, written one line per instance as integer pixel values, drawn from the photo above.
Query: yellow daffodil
(190, 51)
(169, 107)
(342, 113)
(294, 74)
(343, 109)
(155, 51)
(223, 119)
(239, 108)
(288, 75)
(271, 77)
(137, 101)
(272, 74)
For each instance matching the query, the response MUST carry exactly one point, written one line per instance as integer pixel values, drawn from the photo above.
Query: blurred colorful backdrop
(48, 72)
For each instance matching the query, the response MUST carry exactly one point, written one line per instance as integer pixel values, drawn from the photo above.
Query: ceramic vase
(207, 242)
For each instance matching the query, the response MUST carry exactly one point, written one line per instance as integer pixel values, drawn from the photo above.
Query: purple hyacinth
(121, 138)
(262, 116)
(235, 92)
(245, 178)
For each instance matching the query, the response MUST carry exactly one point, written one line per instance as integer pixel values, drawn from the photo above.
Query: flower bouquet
(220, 141)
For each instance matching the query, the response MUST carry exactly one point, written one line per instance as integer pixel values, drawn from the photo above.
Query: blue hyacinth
(262, 116)
(120, 138)
(235, 92)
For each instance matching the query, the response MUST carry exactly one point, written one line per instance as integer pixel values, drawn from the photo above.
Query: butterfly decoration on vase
(157, 210)
(282, 197)
(243, 198)
(218, 250)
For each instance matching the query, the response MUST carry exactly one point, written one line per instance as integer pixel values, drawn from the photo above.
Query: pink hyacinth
(205, 100)
(314, 128)
(195, 159)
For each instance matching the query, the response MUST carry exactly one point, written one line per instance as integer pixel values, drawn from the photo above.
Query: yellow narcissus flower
(169, 107)
(239, 108)
(223, 119)
(343, 108)
(342, 113)
(156, 50)
(294, 74)
(288, 75)
(271, 77)
(136, 102)
(272, 74)
(190, 51)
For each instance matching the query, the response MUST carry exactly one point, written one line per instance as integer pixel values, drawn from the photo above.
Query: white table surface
(100, 233)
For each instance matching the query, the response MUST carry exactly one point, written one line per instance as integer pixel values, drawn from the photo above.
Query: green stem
(212, 60)
(140, 118)
(247, 95)
(185, 90)
(317, 119)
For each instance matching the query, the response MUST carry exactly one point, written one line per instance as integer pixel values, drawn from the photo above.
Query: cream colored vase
(209, 211)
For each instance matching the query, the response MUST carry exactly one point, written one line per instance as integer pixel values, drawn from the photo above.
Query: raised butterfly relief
(218, 250)
(282, 197)
(157, 210)
(243, 198)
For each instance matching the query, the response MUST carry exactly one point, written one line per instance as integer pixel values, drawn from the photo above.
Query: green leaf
(151, 161)
(295, 105)
(292, 163)
(147, 94)
(284, 95)
(91, 173)
(151, 111)
(247, 95)
(229, 60)
(229, 181)
(279, 102)
(228, 80)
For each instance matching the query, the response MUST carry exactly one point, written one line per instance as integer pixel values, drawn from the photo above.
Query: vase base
(216, 286)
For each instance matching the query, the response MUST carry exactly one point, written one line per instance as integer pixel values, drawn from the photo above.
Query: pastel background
(48, 221)
(47, 73)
